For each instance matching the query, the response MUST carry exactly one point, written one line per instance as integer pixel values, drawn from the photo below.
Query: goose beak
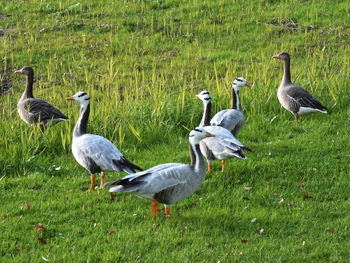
(208, 134)
(197, 95)
(276, 57)
(19, 71)
(70, 98)
(248, 84)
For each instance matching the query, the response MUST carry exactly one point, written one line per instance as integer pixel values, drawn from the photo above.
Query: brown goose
(33, 110)
(294, 98)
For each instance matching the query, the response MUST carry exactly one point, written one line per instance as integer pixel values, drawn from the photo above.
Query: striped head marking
(240, 82)
(198, 134)
(81, 97)
(204, 96)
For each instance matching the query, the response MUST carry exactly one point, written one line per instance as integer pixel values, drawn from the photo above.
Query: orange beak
(208, 134)
(276, 57)
(70, 98)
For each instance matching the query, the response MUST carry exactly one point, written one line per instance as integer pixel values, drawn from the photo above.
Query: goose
(294, 98)
(232, 119)
(224, 146)
(33, 110)
(167, 183)
(95, 153)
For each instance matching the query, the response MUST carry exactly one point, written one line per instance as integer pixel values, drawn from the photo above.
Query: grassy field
(142, 62)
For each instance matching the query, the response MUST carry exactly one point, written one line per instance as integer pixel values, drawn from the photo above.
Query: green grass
(142, 62)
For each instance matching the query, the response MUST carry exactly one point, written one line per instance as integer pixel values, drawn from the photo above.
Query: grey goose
(167, 183)
(232, 119)
(294, 98)
(95, 153)
(33, 110)
(224, 145)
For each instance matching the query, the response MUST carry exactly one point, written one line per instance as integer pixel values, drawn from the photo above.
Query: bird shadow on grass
(207, 223)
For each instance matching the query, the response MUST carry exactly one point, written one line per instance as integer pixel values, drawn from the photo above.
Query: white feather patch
(307, 110)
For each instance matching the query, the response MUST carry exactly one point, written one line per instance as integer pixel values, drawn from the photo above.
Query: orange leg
(92, 185)
(209, 167)
(167, 212)
(102, 180)
(154, 207)
(296, 116)
(223, 163)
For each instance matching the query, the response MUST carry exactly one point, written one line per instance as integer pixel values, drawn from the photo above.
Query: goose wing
(304, 98)
(42, 110)
(228, 119)
(221, 149)
(223, 146)
(222, 133)
(102, 152)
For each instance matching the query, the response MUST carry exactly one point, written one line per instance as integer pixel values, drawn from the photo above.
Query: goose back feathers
(230, 119)
(34, 110)
(97, 154)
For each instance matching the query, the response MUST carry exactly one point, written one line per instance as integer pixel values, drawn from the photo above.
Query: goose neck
(235, 103)
(81, 125)
(28, 92)
(206, 115)
(286, 74)
(197, 160)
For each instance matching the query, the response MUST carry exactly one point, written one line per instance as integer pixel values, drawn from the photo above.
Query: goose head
(25, 71)
(204, 96)
(282, 56)
(197, 134)
(240, 82)
(81, 97)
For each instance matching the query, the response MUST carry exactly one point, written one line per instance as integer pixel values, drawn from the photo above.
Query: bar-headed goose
(224, 145)
(95, 153)
(294, 98)
(232, 119)
(168, 183)
(33, 110)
